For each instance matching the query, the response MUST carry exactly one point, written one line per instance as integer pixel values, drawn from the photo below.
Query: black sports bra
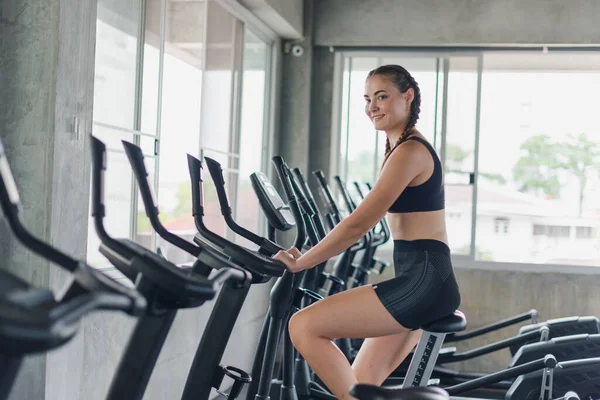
(428, 196)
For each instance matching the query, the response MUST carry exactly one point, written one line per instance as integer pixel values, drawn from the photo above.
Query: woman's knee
(298, 327)
(303, 326)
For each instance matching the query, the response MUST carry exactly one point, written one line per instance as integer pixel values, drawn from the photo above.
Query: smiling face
(386, 106)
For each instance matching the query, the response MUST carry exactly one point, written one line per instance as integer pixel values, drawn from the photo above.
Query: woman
(410, 190)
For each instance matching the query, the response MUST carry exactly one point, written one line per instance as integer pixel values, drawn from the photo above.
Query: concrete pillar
(46, 92)
(294, 117)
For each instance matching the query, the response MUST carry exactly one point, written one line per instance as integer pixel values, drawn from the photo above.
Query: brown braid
(403, 81)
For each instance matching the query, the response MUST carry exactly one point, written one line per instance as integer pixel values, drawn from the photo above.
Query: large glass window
(115, 88)
(539, 157)
(177, 77)
(256, 65)
(180, 118)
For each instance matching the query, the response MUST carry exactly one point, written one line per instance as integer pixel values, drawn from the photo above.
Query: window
(538, 165)
(584, 232)
(501, 225)
(169, 79)
(114, 115)
(256, 65)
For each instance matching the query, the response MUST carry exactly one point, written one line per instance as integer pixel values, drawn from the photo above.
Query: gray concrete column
(46, 92)
(294, 118)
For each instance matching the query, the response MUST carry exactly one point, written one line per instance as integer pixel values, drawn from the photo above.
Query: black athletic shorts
(424, 288)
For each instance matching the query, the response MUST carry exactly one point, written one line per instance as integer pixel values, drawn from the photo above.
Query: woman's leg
(355, 313)
(379, 357)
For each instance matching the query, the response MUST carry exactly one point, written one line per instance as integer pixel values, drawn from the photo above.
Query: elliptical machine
(34, 320)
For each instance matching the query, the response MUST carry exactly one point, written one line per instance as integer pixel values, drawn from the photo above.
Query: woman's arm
(405, 164)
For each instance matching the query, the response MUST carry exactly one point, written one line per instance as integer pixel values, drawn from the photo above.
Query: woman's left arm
(404, 164)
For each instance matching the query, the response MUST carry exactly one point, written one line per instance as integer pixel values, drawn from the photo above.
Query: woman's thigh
(354, 313)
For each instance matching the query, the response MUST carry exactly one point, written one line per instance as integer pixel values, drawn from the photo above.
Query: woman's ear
(409, 95)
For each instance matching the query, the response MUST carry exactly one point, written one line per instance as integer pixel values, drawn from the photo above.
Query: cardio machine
(205, 373)
(34, 320)
(166, 287)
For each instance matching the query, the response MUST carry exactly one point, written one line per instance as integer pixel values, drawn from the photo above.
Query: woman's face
(387, 108)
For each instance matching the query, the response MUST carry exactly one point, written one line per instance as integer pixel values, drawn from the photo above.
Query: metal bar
(228, 153)
(476, 155)
(529, 315)
(121, 129)
(214, 341)
(444, 131)
(146, 341)
(424, 359)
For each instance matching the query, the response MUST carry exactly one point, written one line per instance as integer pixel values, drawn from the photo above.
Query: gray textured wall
(46, 81)
(455, 22)
(295, 100)
(285, 17)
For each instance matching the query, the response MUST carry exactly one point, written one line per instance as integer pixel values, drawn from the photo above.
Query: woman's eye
(382, 97)
(367, 100)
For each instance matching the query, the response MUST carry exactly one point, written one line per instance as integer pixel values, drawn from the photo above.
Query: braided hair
(403, 81)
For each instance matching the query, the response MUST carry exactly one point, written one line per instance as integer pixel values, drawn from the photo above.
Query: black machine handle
(349, 203)
(529, 315)
(305, 189)
(311, 201)
(195, 168)
(549, 361)
(216, 172)
(367, 240)
(153, 266)
(328, 197)
(87, 280)
(136, 159)
(267, 265)
(385, 228)
(492, 347)
(285, 176)
(11, 206)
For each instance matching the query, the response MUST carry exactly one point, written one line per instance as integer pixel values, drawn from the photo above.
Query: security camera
(297, 50)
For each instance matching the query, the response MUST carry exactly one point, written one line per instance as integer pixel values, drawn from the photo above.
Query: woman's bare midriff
(418, 225)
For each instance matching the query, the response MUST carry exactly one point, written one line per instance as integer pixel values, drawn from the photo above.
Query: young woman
(410, 191)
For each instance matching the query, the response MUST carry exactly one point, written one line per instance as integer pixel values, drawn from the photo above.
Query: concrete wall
(455, 22)
(285, 17)
(46, 84)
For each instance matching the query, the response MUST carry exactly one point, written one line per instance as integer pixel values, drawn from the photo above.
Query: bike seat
(454, 322)
(370, 392)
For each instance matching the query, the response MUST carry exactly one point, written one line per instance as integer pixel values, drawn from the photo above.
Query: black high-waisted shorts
(424, 288)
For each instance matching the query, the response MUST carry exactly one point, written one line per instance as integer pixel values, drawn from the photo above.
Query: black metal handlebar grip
(11, 205)
(286, 181)
(99, 166)
(195, 168)
(304, 186)
(549, 361)
(344, 192)
(300, 195)
(328, 197)
(216, 172)
(136, 159)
